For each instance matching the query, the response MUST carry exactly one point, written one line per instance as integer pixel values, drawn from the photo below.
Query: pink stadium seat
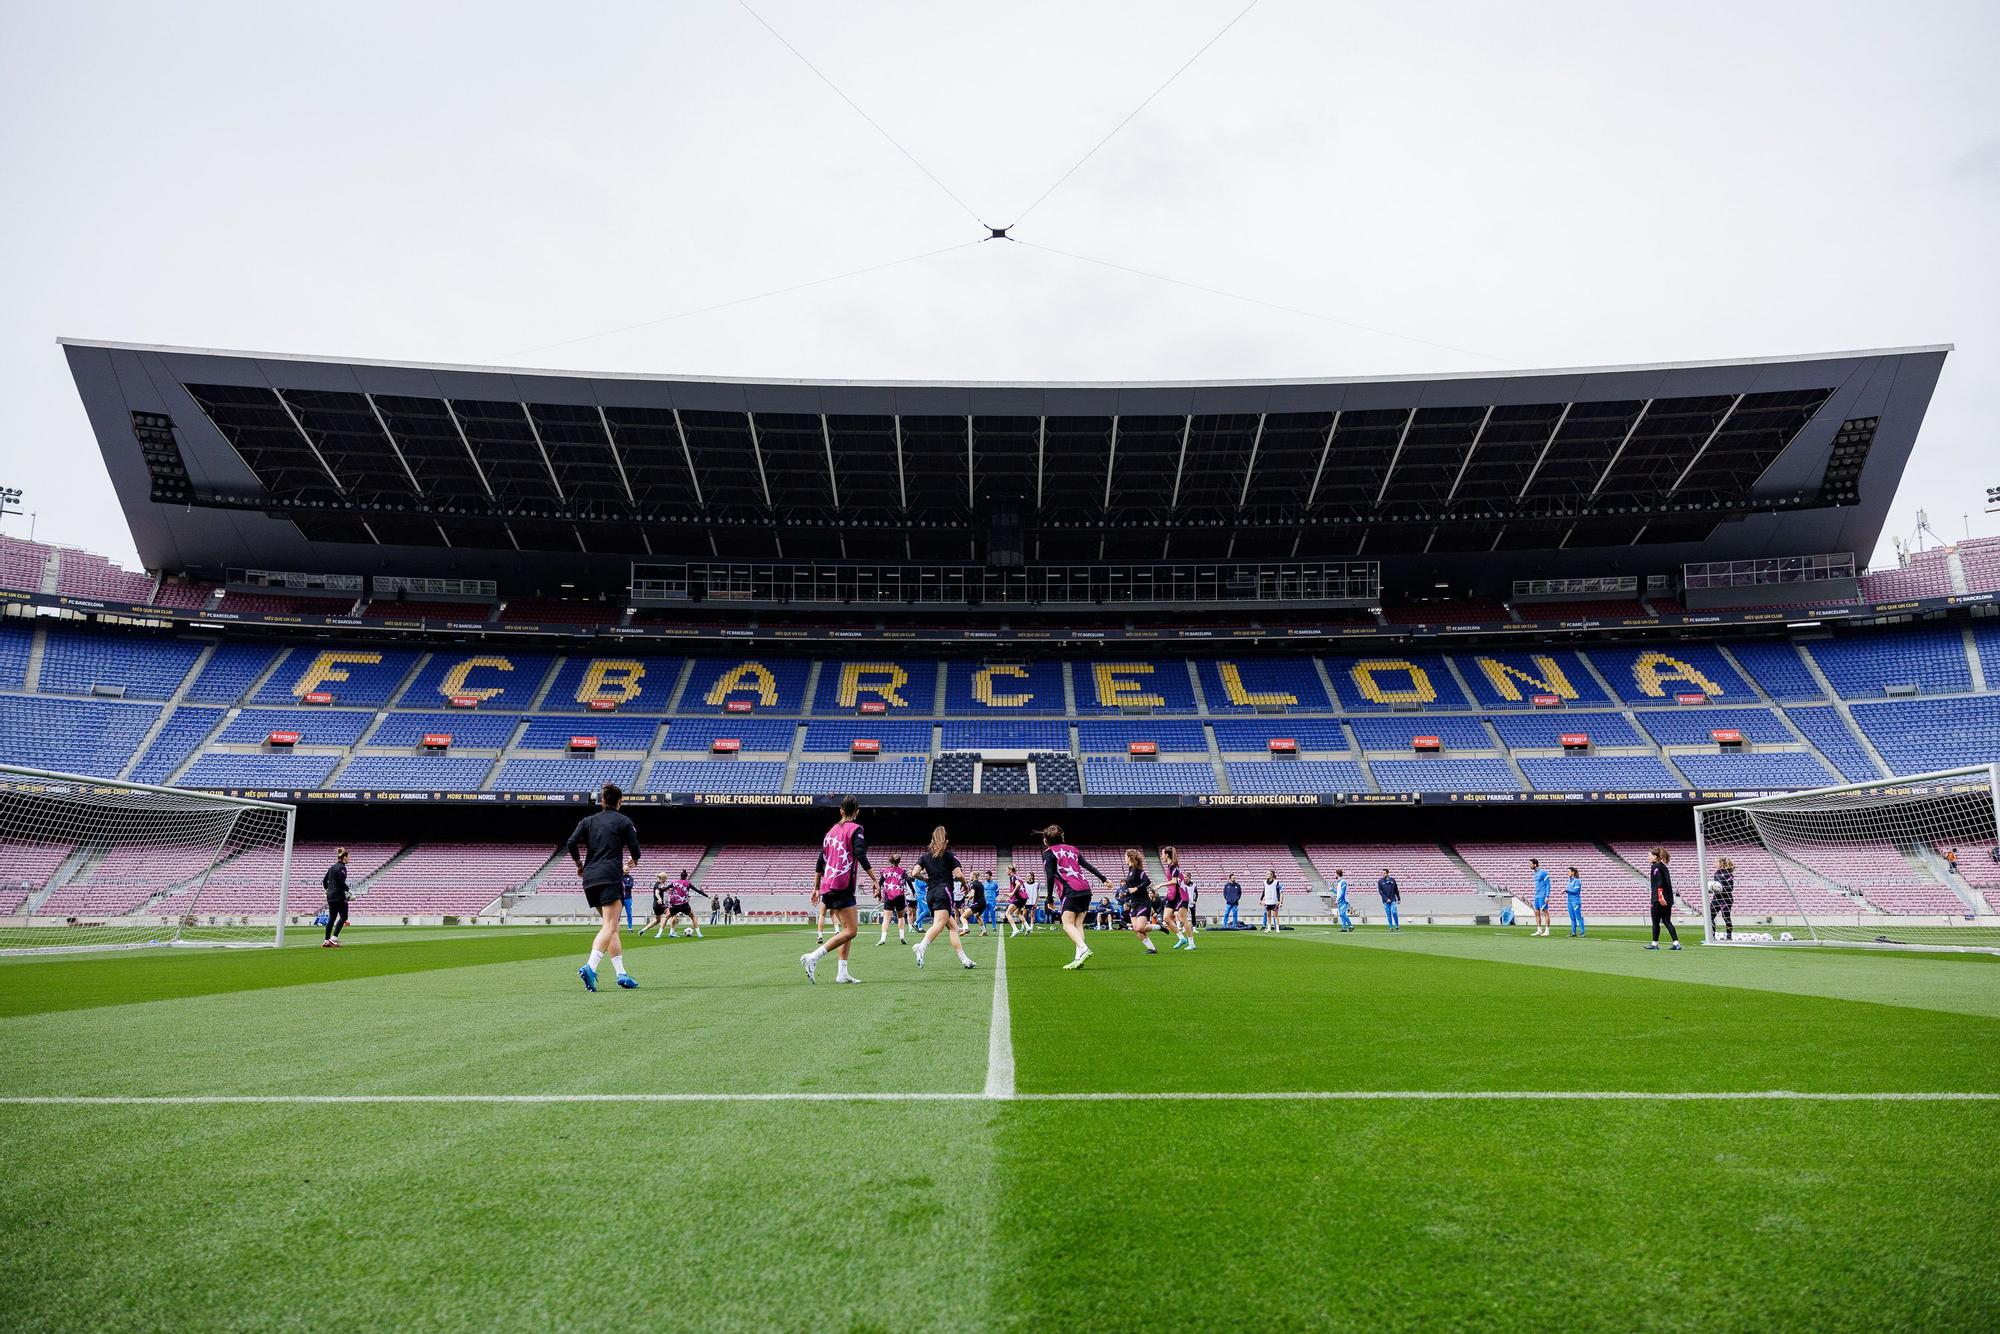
(1419, 868)
(459, 879)
(1611, 887)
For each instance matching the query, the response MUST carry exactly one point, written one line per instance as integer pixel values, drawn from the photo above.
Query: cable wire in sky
(1113, 132)
(872, 122)
(738, 301)
(1269, 305)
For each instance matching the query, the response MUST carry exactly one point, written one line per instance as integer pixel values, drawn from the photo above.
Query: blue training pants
(1575, 913)
(1394, 909)
(1345, 920)
(628, 912)
(1229, 915)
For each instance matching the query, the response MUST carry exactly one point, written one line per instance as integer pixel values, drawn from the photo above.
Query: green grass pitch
(1038, 1211)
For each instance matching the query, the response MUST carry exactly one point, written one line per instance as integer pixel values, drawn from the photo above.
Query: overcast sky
(1538, 185)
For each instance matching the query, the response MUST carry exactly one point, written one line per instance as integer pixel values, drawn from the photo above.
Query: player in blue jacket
(1574, 893)
(1340, 899)
(1541, 895)
(1392, 899)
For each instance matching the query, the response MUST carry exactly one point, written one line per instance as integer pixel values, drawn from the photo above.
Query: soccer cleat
(847, 979)
(336, 942)
(1190, 943)
(811, 965)
(1676, 945)
(1150, 949)
(1653, 945)
(589, 976)
(968, 963)
(918, 950)
(627, 981)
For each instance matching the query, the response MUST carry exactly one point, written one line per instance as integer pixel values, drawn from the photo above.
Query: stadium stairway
(65, 872)
(1465, 867)
(1506, 753)
(532, 885)
(173, 703)
(33, 679)
(1840, 706)
(1977, 664)
(1955, 570)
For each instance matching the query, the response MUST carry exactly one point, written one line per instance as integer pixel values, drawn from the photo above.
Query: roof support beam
(1041, 456)
(1110, 466)
(1187, 429)
(694, 478)
(470, 456)
(1312, 493)
(832, 477)
(1250, 468)
(611, 441)
(547, 462)
(968, 464)
(902, 485)
(1466, 462)
(1390, 471)
(394, 448)
(1619, 452)
(306, 436)
(1720, 423)
(1554, 431)
(757, 448)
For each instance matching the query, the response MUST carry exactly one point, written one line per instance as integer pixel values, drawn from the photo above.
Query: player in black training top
(335, 884)
(1137, 893)
(939, 869)
(599, 846)
(657, 923)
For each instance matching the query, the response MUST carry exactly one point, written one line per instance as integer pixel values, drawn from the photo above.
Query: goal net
(1906, 863)
(93, 863)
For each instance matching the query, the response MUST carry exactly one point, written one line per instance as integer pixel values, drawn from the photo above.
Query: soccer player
(1020, 914)
(659, 917)
(1722, 896)
(842, 850)
(679, 904)
(334, 882)
(943, 873)
(976, 904)
(1340, 899)
(1662, 899)
(1274, 896)
(1541, 895)
(895, 899)
(1064, 866)
(1137, 895)
(1180, 902)
(1573, 891)
(608, 837)
(1392, 899)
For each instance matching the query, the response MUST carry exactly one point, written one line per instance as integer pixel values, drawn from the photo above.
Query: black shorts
(1076, 903)
(896, 906)
(938, 900)
(600, 896)
(833, 900)
(680, 909)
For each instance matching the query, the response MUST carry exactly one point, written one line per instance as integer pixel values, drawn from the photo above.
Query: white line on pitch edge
(1297, 1095)
(1000, 1033)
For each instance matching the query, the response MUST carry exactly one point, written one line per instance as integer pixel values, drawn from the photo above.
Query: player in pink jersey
(1065, 869)
(1179, 914)
(895, 900)
(1020, 910)
(843, 856)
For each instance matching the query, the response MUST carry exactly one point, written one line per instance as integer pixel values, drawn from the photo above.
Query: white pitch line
(1297, 1095)
(1000, 1033)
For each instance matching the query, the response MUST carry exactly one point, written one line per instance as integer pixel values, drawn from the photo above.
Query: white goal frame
(1973, 930)
(20, 933)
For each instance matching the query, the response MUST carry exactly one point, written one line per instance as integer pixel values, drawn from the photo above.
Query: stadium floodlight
(1860, 864)
(1992, 499)
(103, 864)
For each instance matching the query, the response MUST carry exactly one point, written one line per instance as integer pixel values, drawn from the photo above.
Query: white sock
(843, 969)
(596, 957)
(817, 954)
(962, 958)
(618, 962)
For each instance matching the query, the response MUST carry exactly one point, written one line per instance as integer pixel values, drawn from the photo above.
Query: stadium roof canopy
(258, 460)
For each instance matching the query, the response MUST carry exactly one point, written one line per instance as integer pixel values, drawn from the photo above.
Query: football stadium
(542, 848)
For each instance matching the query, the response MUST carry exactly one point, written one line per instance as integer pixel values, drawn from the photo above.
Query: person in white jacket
(1274, 894)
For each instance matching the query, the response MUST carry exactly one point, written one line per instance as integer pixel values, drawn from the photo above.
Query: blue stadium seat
(1261, 777)
(1393, 734)
(1315, 736)
(835, 778)
(1511, 680)
(356, 675)
(1861, 663)
(1777, 666)
(1986, 643)
(1379, 682)
(954, 771)
(232, 669)
(1114, 684)
(1596, 773)
(975, 690)
(1655, 673)
(612, 732)
(1138, 777)
(1022, 735)
(716, 776)
(566, 775)
(467, 728)
(1054, 773)
(1790, 771)
(1684, 726)
(73, 661)
(260, 771)
(638, 682)
(1829, 732)
(758, 734)
(413, 773)
(1544, 731)
(898, 736)
(15, 642)
(1921, 735)
(1444, 774)
(176, 741)
(315, 726)
(770, 684)
(1107, 737)
(908, 688)
(1244, 685)
(75, 736)
(513, 678)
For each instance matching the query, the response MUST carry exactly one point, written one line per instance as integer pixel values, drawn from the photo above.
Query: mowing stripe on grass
(1295, 1095)
(1000, 1033)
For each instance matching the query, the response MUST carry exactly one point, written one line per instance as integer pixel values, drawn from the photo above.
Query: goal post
(96, 863)
(1897, 863)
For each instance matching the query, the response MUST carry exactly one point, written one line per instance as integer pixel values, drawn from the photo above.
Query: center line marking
(1000, 1033)
(1296, 1095)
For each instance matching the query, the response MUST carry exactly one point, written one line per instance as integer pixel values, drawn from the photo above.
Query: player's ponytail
(1052, 834)
(938, 841)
